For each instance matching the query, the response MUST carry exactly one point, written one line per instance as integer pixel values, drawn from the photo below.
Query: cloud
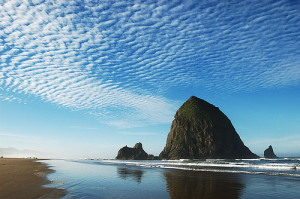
(283, 145)
(138, 133)
(7, 96)
(16, 135)
(83, 127)
(13, 152)
(113, 57)
(277, 140)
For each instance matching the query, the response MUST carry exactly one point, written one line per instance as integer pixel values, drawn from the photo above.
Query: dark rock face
(135, 153)
(269, 153)
(200, 130)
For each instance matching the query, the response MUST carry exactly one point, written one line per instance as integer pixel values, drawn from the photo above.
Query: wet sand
(24, 178)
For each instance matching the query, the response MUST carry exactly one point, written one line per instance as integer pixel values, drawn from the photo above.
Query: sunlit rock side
(135, 153)
(269, 153)
(200, 130)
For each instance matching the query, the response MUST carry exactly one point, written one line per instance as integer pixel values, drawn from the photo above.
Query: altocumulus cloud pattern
(106, 56)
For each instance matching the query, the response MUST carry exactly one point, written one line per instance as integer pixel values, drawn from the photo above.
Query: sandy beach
(24, 178)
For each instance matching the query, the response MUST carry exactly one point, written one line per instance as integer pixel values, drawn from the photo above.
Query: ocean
(175, 179)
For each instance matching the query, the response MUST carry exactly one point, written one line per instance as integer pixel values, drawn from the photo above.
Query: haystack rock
(269, 153)
(135, 153)
(200, 131)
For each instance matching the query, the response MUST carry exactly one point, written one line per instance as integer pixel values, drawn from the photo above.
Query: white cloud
(288, 145)
(110, 56)
(16, 135)
(138, 133)
(83, 127)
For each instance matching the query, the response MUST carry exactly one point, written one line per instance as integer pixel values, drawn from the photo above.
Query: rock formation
(269, 153)
(135, 153)
(200, 130)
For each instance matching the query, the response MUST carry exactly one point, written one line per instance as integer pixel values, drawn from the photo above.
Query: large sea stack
(199, 131)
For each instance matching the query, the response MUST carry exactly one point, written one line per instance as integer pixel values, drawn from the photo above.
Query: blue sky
(84, 78)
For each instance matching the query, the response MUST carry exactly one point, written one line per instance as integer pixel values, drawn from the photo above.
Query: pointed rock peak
(135, 153)
(269, 153)
(193, 100)
(200, 130)
(195, 107)
(138, 145)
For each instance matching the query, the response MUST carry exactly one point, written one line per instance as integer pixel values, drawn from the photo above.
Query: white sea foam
(264, 166)
(231, 171)
(270, 166)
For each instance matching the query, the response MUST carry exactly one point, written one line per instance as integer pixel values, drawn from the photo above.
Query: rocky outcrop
(269, 153)
(200, 130)
(135, 153)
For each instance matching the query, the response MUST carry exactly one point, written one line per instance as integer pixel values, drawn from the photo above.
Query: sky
(81, 79)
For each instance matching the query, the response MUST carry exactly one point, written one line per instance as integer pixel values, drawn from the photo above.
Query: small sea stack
(200, 131)
(269, 153)
(135, 153)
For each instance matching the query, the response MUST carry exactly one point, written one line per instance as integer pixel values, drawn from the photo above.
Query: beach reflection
(191, 184)
(134, 174)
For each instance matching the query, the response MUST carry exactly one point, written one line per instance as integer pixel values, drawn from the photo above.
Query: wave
(287, 167)
(218, 163)
(234, 171)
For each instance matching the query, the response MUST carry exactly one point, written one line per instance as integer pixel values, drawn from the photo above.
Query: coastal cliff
(200, 130)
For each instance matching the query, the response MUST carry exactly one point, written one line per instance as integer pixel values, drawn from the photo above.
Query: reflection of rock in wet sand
(125, 173)
(208, 185)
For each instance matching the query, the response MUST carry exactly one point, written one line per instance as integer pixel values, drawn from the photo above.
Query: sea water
(284, 166)
(210, 178)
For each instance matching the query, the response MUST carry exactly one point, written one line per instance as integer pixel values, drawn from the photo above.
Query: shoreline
(25, 178)
(93, 179)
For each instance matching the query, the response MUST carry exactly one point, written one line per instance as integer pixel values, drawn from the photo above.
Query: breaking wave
(283, 166)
